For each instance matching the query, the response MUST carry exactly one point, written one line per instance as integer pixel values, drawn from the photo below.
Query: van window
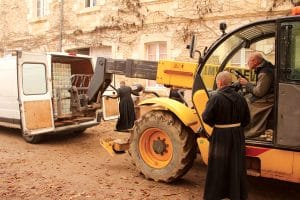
(34, 79)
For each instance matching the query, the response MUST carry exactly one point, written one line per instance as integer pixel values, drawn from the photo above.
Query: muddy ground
(77, 167)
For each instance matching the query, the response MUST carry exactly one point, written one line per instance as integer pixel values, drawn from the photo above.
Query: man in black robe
(126, 108)
(228, 113)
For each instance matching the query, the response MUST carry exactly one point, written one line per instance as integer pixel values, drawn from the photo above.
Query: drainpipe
(61, 24)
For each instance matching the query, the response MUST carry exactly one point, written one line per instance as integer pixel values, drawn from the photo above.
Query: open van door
(110, 105)
(34, 82)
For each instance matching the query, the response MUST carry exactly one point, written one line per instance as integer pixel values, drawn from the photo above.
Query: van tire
(79, 132)
(170, 135)
(33, 139)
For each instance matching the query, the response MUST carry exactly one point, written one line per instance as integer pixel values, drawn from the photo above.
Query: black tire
(182, 142)
(79, 132)
(33, 139)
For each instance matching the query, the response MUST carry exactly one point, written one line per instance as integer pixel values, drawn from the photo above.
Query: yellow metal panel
(181, 74)
(296, 167)
(200, 99)
(203, 145)
(175, 73)
(184, 113)
(276, 161)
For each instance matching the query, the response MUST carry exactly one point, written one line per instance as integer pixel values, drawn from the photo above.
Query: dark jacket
(264, 87)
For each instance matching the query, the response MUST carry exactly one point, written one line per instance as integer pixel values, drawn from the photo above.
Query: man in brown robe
(228, 113)
(261, 95)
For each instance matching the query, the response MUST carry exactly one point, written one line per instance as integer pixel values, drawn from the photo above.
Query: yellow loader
(164, 141)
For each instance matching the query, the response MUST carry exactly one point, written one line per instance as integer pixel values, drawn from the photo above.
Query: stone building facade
(139, 29)
(144, 29)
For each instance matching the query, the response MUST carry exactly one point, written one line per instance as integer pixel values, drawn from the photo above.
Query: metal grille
(257, 31)
(61, 85)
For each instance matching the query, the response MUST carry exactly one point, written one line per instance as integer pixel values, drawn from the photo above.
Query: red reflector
(72, 54)
(296, 10)
(253, 151)
(178, 72)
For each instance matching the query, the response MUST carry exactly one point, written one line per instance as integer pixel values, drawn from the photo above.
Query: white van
(42, 93)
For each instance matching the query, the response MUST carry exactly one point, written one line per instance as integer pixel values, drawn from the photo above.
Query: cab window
(239, 61)
(294, 74)
(214, 62)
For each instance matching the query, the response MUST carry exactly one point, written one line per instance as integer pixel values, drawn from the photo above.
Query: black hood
(229, 93)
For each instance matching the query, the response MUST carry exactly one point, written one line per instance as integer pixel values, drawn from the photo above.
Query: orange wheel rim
(156, 148)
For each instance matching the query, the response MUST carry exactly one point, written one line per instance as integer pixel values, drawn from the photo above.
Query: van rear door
(110, 105)
(34, 82)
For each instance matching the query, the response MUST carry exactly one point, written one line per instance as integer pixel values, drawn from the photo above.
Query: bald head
(254, 60)
(223, 79)
(122, 83)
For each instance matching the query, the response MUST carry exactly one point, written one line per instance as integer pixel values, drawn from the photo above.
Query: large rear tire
(162, 148)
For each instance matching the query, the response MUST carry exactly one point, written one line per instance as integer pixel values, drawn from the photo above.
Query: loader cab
(278, 40)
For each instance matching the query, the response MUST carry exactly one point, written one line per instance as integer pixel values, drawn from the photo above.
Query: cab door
(288, 126)
(34, 81)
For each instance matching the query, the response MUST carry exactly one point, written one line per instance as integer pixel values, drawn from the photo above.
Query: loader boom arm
(106, 67)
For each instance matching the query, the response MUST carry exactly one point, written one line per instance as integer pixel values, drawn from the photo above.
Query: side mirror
(191, 46)
(223, 27)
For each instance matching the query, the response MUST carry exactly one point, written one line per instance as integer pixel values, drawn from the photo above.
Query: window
(217, 58)
(90, 3)
(238, 59)
(40, 8)
(154, 52)
(295, 56)
(83, 51)
(34, 79)
(102, 51)
(266, 47)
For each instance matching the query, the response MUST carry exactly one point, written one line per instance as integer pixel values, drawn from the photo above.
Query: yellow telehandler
(164, 141)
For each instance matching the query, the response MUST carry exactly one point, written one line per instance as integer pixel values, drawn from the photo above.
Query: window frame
(90, 3)
(41, 8)
(157, 57)
(157, 50)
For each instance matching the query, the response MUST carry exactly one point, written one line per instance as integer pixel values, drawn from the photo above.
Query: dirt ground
(77, 167)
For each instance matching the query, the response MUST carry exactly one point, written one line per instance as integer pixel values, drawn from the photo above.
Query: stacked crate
(61, 81)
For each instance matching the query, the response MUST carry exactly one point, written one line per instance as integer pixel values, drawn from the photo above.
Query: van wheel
(162, 148)
(33, 139)
(79, 132)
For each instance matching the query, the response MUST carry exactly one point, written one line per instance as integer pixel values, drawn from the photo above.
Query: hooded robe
(261, 99)
(126, 109)
(226, 173)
